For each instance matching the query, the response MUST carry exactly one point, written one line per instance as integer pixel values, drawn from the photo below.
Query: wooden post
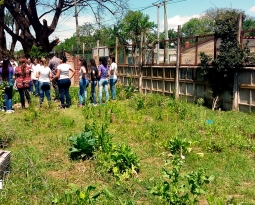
(235, 86)
(177, 64)
(141, 63)
(116, 49)
(219, 112)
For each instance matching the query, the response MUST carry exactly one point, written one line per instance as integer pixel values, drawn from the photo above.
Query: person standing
(94, 79)
(34, 70)
(113, 76)
(14, 64)
(6, 74)
(64, 82)
(103, 82)
(44, 75)
(83, 83)
(53, 64)
(29, 64)
(23, 79)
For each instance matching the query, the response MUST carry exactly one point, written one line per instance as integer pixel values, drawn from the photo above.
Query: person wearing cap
(53, 64)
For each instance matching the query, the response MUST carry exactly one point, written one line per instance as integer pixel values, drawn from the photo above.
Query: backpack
(94, 73)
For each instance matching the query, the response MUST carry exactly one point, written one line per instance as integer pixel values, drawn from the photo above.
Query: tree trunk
(2, 34)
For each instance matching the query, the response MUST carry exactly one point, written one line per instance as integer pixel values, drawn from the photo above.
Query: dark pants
(64, 85)
(93, 91)
(56, 88)
(22, 93)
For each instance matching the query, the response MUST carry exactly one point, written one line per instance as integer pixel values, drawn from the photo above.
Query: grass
(41, 170)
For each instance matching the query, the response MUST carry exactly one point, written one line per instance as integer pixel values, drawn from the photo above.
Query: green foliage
(134, 23)
(178, 107)
(83, 145)
(125, 92)
(37, 52)
(174, 145)
(121, 161)
(73, 195)
(3, 85)
(231, 56)
(198, 26)
(180, 188)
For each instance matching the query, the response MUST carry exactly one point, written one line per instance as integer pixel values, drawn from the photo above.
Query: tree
(133, 24)
(231, 56)
(34, 30)
(198, 26)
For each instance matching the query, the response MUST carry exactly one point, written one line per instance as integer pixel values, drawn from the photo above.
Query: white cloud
(252, 9)
(177, 20)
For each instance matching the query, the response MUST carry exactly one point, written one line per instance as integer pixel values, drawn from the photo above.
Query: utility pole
(158, 5)
(166, 31)
(77, 26)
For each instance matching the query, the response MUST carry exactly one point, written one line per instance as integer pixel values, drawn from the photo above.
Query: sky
(178, 12)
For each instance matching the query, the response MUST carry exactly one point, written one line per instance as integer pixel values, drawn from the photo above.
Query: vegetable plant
(83, 145)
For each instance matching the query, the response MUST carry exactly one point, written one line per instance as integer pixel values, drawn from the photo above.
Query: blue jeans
(93, 91)
(8, 98)
(31, 89)
(64, 85)
(36, 84)
(44, 87)
(112, 88)
(103, 83)
(83, 91)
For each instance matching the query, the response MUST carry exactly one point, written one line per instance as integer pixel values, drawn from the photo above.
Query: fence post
(116, 50)
(177, 63)
(141, 64)
(235, 86)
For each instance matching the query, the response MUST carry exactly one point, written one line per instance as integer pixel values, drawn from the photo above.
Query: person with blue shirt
(103, 82)
(6, 75)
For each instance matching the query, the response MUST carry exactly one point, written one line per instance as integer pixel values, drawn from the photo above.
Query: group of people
(36, 77)
(100, 75)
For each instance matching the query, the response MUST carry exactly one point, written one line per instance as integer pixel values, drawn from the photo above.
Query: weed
(174, 190)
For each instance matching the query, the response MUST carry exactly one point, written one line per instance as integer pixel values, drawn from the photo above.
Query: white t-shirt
(44, 74)
(113, 68)
(64, 70)
(81, 72)
(34, 71)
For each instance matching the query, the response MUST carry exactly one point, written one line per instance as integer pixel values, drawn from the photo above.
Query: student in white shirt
(113, 76)
(44, 75)
(64, 82)
(34, 69)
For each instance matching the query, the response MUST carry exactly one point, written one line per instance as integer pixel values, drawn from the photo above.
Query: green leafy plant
(73, 195)
(129, 90)
(178, 107)
(3, 85)
(180, 189)
(121, 161)
(174, 145)
(83, 145)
